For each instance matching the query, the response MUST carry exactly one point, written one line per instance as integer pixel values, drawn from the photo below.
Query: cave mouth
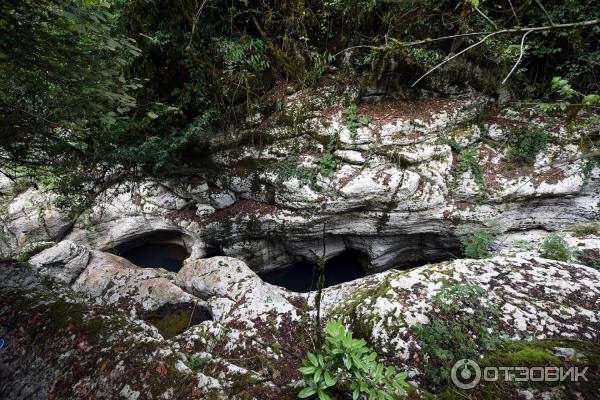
(163, 249)
(301, 277)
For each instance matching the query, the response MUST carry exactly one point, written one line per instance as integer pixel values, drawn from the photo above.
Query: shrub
(527, 146)
(354, 121)
(555, 247)
(347, 364)
(462, 328)
(477, 244)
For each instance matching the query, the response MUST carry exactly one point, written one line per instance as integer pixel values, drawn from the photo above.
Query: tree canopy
(96, 91)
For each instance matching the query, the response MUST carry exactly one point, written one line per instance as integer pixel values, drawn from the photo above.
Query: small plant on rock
(477, 244)
(463, 327)
(196, 363)
(527, 146)
(346, 364)
(469, 161)
(555, 247)
(354, 121)
(593, 228)
(327, 162)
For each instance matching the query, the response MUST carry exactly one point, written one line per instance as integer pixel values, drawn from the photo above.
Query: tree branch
(544, 10)
(394, 42)
(504, 31)
(454, 56)
(519, 59)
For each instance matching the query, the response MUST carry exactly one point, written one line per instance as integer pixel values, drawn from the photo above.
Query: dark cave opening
(419, 250)
(163, 249)
(302, 276)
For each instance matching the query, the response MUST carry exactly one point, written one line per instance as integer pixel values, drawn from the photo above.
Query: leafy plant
(462, 328)
(353, 121)
(289, 168)
(468, 161)
(327, 163)
(196, 363)
(477, 244)
(526, 147)
(347, 364)
(555, 247)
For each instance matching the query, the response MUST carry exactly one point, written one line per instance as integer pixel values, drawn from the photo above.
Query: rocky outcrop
(75, 345)
(233, 290)
(63, 262)
(400, 188)
(302, 183)
(29, 221)
(536, 298)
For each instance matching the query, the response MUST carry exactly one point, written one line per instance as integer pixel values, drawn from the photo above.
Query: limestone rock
(112, 280)
(232, 289)
(64, 261)
(31, 217)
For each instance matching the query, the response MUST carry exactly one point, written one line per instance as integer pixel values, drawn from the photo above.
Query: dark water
(302, 277)
(157, 255)
(172, 319)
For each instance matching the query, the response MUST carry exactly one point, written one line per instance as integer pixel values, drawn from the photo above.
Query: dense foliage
(347, 364)
(463, 328)
(95, 91)
(477, 243)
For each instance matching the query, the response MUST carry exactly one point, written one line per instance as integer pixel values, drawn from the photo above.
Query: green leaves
(454, 333)
(306, 392)
(347, 363)
(477, 243)
(591, 99)
(353, 120)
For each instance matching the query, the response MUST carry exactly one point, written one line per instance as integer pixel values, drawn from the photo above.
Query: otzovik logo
(466, 374)
(469, 375)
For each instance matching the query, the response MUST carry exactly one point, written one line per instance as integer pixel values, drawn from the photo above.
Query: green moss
(172, 323)
(37, 248)
(592, 228)
(523, 354)
(540, 353)
(537, 353)
(346, 310)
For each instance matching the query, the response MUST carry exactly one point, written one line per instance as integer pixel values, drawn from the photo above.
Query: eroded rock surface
(252, 347)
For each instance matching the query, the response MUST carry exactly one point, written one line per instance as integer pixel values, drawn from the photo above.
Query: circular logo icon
(465, 374)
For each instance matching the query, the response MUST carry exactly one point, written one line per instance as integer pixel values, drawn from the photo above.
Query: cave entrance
(158, 250)
(302, 276)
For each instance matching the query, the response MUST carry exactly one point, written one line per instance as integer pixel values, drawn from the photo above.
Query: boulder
(65, 261)
(233, 290)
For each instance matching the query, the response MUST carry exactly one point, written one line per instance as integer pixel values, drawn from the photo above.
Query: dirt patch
(388, 110)
(239, 209)
(551, 176)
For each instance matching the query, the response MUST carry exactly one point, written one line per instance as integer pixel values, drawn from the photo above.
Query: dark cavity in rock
(161, 249)
(302, 276)
(422, 249)
(173, 319)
